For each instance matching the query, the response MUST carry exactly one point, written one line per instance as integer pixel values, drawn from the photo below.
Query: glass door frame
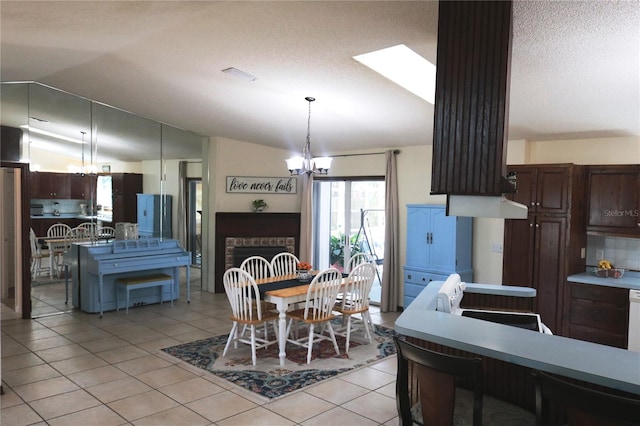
(192, 213)
(321, 221)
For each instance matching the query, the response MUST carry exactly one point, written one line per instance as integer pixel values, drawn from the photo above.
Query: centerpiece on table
(304, 271)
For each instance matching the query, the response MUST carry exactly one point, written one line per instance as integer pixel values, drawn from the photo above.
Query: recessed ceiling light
(404, 67)
(239, 74)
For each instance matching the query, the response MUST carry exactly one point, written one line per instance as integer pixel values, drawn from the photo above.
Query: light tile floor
(77, 369)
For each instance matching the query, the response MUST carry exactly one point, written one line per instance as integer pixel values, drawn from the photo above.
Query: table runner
(277, 285)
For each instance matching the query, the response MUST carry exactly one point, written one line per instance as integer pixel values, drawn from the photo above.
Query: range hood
(471, 109)
(485, 206)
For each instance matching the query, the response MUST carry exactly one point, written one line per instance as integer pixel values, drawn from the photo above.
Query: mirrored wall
(89, 161)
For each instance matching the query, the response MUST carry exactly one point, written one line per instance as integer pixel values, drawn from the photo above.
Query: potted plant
(258, 205)
(336, 250)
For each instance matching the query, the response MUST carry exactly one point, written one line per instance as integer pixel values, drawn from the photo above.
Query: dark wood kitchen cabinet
(598, 314)
(543, 189)
(542, 250)
(82, 186)
(59, 186)
(49, 186)
(614, 200)
(125, 187)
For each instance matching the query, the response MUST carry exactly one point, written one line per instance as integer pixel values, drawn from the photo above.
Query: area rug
(267, 378)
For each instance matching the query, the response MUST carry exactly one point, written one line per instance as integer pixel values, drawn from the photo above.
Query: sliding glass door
(194, 220)
(349, 219)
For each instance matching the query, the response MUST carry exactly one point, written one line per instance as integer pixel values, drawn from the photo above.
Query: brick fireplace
(262, 233)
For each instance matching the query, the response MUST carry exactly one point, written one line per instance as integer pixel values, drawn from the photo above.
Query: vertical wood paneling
(472, 87)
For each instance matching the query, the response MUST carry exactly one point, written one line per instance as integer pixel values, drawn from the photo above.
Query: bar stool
(441, 402)
(581, 406)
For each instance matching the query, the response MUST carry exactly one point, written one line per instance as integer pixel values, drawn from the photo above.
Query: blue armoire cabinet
(437, 246)
(150, 216)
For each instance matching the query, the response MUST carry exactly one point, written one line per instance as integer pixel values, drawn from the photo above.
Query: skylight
(404, 67)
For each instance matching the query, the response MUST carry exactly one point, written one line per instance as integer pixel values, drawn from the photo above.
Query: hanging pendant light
(307, 164)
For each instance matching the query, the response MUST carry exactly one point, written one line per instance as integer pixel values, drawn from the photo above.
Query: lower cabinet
(596, 314)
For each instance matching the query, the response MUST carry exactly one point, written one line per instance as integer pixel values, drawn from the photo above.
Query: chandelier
(307, 164)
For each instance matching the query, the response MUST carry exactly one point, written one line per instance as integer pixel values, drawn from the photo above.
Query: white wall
(235, 158)
(586, 151)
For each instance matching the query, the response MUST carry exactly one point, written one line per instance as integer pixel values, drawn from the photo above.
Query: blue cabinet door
(442, 240)
(150, 217)
(418, 225)
(146, 208)
(437, 246)
(437, 241)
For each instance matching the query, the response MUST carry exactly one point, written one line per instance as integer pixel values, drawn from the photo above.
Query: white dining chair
(56, 249)
(284, 263)
(37, 254)
(359, 258)
(257, 266)
(106, 232)
(247, 309)
(317, 311)
(91, 229)
(355, 301)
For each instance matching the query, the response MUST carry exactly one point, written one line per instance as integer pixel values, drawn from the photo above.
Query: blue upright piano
(95, 266)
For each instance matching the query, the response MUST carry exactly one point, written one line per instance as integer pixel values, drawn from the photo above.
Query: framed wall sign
(261, 185)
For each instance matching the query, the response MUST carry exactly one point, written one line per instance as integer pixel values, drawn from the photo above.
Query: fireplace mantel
(258, 225)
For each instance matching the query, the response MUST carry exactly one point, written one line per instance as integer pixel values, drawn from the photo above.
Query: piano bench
(143, 281)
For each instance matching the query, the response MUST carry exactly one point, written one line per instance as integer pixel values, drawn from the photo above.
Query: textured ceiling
(575, 69)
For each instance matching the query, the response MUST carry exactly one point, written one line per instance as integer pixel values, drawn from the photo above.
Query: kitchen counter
(630, 280)
(65, 216)
(590, 362)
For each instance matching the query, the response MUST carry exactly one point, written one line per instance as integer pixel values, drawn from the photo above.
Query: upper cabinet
(614, 200)
(50, 186)
(62, 186)
(543, 189)
(82, 186)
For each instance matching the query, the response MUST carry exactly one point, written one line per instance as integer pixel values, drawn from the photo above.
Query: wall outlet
(496, 247)
(583, 252)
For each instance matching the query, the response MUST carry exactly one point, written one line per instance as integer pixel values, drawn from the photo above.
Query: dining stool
(441, 399)
(560, 402)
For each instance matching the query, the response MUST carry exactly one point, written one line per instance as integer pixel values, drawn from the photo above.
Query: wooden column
(472, 93)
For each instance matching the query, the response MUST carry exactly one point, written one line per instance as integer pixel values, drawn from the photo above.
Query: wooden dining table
(287, 290)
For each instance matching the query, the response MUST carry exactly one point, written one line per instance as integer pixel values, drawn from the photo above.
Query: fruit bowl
(609, 273)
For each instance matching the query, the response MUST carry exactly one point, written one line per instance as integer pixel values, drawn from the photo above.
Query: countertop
(66, 216)
(604, 365)
(630, 280)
